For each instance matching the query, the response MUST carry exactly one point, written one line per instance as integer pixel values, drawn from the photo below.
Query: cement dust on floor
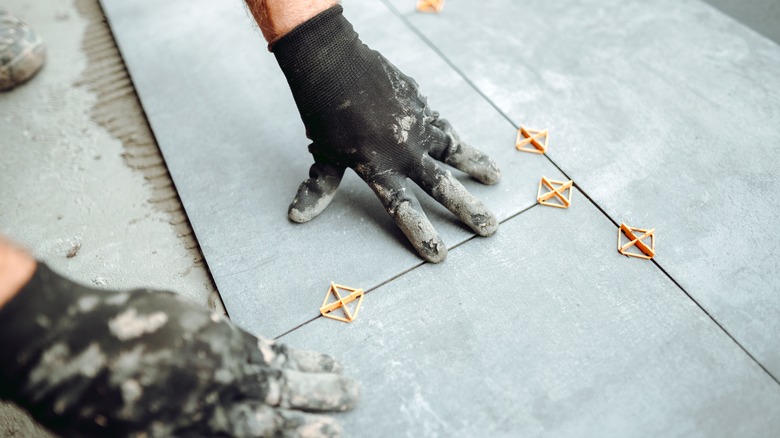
(83, 183)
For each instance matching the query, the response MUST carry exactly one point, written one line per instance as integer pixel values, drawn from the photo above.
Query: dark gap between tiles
(393, 278)
(430, 44)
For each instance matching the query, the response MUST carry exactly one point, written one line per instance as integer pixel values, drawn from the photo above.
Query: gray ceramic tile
(407, 7)
(763, 16)
(544, 330)
(666, 113)
(232, 139)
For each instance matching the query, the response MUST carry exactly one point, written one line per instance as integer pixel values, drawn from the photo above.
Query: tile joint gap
(401, 274)
(429, 43)
(716, 322)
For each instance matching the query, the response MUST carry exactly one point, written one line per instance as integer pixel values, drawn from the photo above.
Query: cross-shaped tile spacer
(634, 240)
(526, 136)
(557, 189)
(341, 302)
(430, 5)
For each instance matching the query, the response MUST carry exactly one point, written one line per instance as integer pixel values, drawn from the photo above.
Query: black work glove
(361, 112)
(87, 362)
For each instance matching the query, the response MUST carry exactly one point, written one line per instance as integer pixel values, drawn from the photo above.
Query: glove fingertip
(302, 425)
(486, 225)
(490, 174)
(352, 390)
(300, 216)
(307, 205)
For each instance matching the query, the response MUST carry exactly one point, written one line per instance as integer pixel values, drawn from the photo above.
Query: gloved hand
(361, 112)
(87, 362)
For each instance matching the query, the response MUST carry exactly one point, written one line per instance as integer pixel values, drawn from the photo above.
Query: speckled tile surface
(666, 114)
(573, 340)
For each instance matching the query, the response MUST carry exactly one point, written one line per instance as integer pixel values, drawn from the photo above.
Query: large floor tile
(665, 113)
(233, 141)
(544, 330)
(763, 16)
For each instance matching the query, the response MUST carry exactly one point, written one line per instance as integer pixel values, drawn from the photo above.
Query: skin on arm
(277, 17)
(16, 269)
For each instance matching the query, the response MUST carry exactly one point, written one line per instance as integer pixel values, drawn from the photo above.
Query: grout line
(105, 24)
(680, 286)
(446, 59)
(430, 44)
(366, 292)
(658, 265)
(401, 274)
(297, 327)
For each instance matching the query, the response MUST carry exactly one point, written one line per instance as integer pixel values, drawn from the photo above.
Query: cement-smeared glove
(87, 362)
(361, 112)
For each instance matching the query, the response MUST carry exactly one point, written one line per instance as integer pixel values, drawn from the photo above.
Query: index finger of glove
(449, 192)
(401, 206)
(315, 194)
(448, 148)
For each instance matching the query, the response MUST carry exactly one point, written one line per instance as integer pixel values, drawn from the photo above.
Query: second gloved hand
(361, 112)
(93, 363)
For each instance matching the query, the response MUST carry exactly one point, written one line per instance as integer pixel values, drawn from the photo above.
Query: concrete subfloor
(82, 174)
(80, 168)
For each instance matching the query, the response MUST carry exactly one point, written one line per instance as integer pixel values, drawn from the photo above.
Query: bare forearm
(277, 17)
(16, 268)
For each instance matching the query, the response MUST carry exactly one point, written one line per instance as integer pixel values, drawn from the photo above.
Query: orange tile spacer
(526, 136)
(558, 190)
(647, 251)
(432, 6)
(341, 303)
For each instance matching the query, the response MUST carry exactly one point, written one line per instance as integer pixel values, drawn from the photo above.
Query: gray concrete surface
(246, 155)
(80, 168)
(574, 340)
(69, 181)
(666, 114)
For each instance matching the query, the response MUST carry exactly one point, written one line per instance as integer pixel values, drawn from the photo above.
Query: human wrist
(278, 17)
(321, 58)
(16, 269)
